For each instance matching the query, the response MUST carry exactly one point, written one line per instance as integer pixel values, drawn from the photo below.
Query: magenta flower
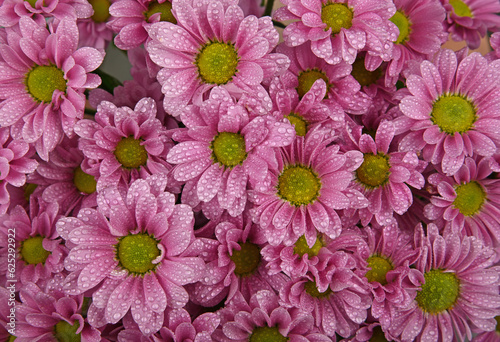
(15, 163)
(262, 318)
(133, 252)
(213, 44)
(221, 149)
(42, 82)
(451, 112)
(51, 315)
(460, 290)
(123, 145)
(338, 30)
(469, 201)
(341, 88)
(384, 177)
(301, 194)
(469, 20)
(39, 250)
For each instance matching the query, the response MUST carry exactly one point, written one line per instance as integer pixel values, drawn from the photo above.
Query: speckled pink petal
(179, 234)
(319, 216)
(177, 296)
(282, 218)
(295, 34)
(120, 299)
(415, 108)
(131, 36)
(249, 73)
(367, 145)
(190, 170)
(145, 209)
(334, 199)
(209, 182)
(173, 37)
(95, 272)
(12, 109)
(154, 294)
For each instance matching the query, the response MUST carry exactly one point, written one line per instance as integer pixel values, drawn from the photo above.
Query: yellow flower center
(379, 268)
(130, 153)
(298, 185)
(298, 122)
(439, 293)
(83, 181)
(101, 10)
(301, 247)
(43, 80)
(460, 8)
(246, 260)
(453, 114)
(266, 334)
(307, 79)
(470, 198)
(229, 149)
(217, 62)
(363, 76)
(32, 251)
(336, 16)
(312, 290)
(165, 10)
(136, 253)
(374, 171)
(65, 332)
(403, 24)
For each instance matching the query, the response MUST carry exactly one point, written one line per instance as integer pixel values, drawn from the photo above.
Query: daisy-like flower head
(469, 200)
(11, 11)
(452, 111)
(130, 18)
(221, 149)
(469, 20)
(50, 315)
(15, 163)
(42, 82)
(39, 250)
(339, 29)
(421, 32)
(384, 176)
(213, 44)
(342, 91)
(133, 252)
(335, 297)
(262, 318)
(63, 181)
(302, 193)
(235, 265)
(122, 144)
(460, 290)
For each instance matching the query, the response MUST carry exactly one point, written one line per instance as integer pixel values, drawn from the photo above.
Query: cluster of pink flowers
(336, 178)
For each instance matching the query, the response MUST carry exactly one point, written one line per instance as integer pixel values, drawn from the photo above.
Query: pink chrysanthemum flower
(469, 200)
(470, 20)
(341, 88)
(301, 194)
(50, 315)
(133, 252)
(94, 31)
(421, 32)
(385, 177)
(336, 297)
(11, 11)
(63, 181)
(39, 250)
(490, 336)
(177, 327)
(131, 18)
(15, 163)
(235, 265)
(262, 318)
(460, 290)
(213, 44)
(221, 150)
(123, 145)
(338, 29)
(451, 112)
(42, 82)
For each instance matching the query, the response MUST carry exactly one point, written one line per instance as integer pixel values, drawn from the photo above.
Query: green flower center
(312, 290)
(267, 334)
(307, 79)
(460, 8)
(11, 338)
(497, 318)
(247, 259)
(83, 181)
(32, 2)
(217, 62)
(165, 10)
(229, 149)
(65, 332)
(298, 122)
(439, 293)
(363, 76)
(43, 80)
(379, 268)
(29, 188)
(101, 10)
(137, 252)
(378, 335)
(453, 113)
(403, 24)
(301, 247)
(32, 251)
(336, 16)
(298, 185)
(470, 198)
(374, 171)
(130, 153)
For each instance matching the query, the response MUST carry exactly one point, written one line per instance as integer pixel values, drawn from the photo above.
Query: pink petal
(120, 299)
(173, 37)
(209, 182)
(154, 294)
